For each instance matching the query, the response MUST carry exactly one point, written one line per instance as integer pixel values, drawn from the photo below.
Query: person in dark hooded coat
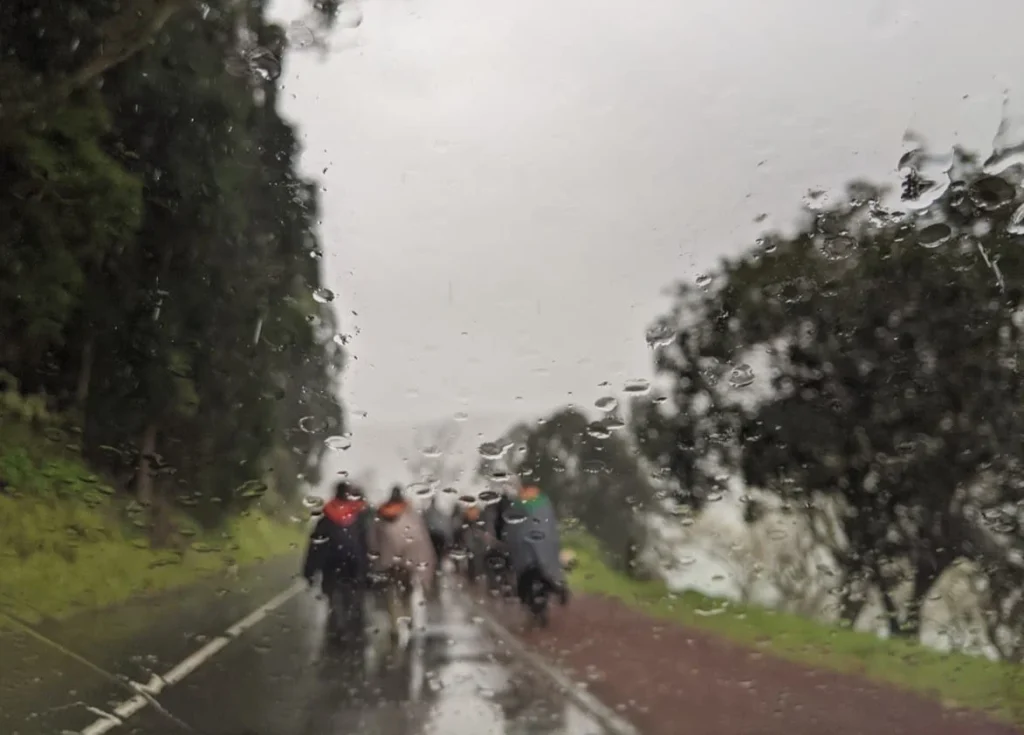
(338, 550)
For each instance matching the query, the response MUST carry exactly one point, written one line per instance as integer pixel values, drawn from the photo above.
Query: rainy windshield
(439, 367)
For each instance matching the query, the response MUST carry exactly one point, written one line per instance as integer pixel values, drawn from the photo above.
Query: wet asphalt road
(282, 676)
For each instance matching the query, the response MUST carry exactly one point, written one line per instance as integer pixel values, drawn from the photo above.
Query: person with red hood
(338, 552)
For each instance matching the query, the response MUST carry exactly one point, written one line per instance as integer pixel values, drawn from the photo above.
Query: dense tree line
(159, 260)
(865, 372)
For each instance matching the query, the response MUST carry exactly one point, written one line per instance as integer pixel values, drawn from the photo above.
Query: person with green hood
(528, 527)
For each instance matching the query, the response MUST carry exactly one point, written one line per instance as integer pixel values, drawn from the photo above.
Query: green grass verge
(68, 543)
(956, 680)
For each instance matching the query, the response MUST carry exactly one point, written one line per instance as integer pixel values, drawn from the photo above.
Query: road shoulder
(666, 678)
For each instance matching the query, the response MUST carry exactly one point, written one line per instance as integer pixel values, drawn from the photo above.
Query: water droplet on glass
(491, 450)
(313, 502)
(422, 490)
(637, 386)
(703, 280)
(594, 466)
(311, 424)
(741, 376)
(598, 430)
(265, 64)
(338, 443)
(300, 35)
(838, 247)
(925, 175)
(660, 335)
(499, 476)
(450, 491)
(461, 416)
(606, 403)
(613, 423)
(431, 452)
(514, 517)
(251, 489)
(323, 295)
(350, 16)
(991, 192)
(467, 501)
(934, 235)
(489, 497)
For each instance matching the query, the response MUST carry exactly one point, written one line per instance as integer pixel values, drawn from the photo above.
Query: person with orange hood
(401, 549)
(338, 552)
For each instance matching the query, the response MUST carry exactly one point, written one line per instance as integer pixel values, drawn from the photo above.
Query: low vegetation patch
(68, 542)
(955, 679)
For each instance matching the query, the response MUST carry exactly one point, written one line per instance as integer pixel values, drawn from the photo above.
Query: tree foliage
(160, 280)
(867, 368)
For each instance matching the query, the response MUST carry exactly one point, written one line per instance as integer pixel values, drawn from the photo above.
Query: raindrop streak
(606, 403)
(1016, 225)
(323, 295)
(338, 443)
(741, 376)
(637, 386)
(1008, 143)
(933, 236)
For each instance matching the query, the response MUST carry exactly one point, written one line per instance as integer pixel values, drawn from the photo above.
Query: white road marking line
(610, 719)
(129, 707)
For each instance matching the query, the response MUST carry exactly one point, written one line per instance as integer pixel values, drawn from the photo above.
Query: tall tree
(891, 341)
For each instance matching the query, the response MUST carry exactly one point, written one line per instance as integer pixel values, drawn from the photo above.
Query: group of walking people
(396, 549)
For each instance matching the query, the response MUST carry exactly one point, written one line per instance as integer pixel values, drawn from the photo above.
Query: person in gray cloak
(528, 527)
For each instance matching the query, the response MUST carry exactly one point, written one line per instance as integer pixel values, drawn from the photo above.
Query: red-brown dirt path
(671, 680)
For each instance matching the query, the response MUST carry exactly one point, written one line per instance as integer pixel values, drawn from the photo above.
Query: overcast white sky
(508, 185)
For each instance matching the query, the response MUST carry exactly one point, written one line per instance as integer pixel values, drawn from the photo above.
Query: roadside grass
(68, 543)
(954, 679)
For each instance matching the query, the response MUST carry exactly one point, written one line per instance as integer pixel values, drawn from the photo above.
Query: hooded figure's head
(345, 490)
(397, 496)
(394, 506)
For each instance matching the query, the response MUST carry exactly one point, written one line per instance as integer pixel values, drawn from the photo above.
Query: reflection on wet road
(284, 676)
